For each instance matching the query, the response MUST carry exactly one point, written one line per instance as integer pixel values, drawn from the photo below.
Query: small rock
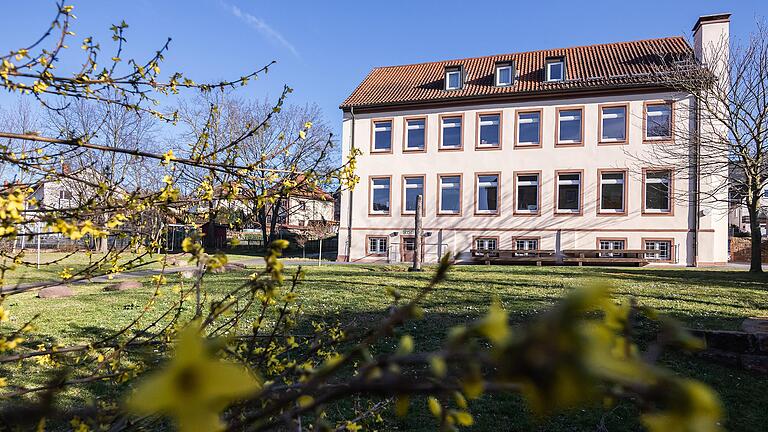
(124, 285)
(188, 274)
(235, 266)
(56, 291)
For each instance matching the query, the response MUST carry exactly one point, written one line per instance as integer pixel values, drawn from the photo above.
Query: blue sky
(325, 48)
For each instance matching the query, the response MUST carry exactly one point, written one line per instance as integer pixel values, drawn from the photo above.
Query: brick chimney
(711, 42)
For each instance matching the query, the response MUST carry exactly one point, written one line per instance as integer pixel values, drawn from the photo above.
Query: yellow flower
(495, 325)
(434, 406)
(194, 388)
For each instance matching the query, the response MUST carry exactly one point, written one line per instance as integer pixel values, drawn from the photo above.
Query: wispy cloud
(262, 27)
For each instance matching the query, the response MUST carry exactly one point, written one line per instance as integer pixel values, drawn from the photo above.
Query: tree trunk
(756, 256)
(273, 219)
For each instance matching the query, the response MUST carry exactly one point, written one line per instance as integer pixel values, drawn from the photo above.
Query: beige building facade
(526, 151)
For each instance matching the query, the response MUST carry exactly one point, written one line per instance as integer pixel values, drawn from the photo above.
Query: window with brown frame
(380, 195)
(413, 186)
(525, 245)
(450, 194)
(415, 134)
(570, 126)
(568, 192)
(613, 124)
(450, 133)
(663, 248)
(487, 194)
(486, 244)
(658, 121)
(377, 245)
(528, 128)
(527, 193)
(612, 192)
(611, 244)
(657, 191)
(489, 130)
(382, 136)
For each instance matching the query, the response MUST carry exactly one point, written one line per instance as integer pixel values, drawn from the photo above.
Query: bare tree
(726, 87)
(272, 148)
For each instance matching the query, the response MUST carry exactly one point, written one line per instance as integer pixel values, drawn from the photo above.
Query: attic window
(453, 78)
(555, 69)
(505, 74)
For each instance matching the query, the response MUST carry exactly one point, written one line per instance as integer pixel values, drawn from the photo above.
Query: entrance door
(408, 248)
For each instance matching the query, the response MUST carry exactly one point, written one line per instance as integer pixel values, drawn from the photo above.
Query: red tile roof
(613, 65)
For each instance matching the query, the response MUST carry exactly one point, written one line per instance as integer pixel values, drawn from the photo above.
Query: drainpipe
(348, 246)
(697, 183)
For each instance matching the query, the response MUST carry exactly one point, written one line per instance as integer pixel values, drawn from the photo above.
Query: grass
(699, 298)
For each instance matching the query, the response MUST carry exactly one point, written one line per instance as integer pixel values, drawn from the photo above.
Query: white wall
(456, 233)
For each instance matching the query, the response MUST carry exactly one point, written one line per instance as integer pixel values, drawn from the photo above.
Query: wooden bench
(529, 256)
(607, 256)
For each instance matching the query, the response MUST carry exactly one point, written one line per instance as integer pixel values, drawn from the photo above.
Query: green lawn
(700, 298)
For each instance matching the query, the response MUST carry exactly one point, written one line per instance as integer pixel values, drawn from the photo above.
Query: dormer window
(556, 69)
(453, 78)
(504, 74)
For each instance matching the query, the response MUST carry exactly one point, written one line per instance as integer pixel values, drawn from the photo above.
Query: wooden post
(419, 236)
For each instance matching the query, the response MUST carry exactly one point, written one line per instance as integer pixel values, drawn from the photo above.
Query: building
(527, 151)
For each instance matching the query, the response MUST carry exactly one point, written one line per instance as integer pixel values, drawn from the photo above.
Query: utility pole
(419, 236)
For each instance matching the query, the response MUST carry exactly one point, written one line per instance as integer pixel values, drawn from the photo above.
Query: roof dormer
(454, 77)
(555, 69)
(504, 74)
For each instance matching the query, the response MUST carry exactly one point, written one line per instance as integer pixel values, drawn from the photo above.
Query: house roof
(613, 65)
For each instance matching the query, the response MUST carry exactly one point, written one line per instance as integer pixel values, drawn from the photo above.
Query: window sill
(414, 150)
(448, 214)
(527, 145)
(568, 213)
(486, 213)
(657, 213)
(449, 149)
(373, 152)
(569, 144)
(488, 147)
(610, 143)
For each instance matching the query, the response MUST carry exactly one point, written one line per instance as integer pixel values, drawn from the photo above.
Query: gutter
(348, 245)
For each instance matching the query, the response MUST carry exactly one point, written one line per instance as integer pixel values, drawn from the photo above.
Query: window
(556, 69)
(658, 191)
(527, 193)
(382, 136)
(413, 187)
(487, 194)
(450, 133)
(415, 134)
(450, 195)
(504, 74)
(529, 128)
(611, 245)
(453, 79)
(380, 195)
(612, 191)
(489, 130)
(483, 244)
(569, 193)
(526, 245)
(65, 195)
(658, 121)
(377, 245)
(663, 250)
(613, 124)
(569, 126)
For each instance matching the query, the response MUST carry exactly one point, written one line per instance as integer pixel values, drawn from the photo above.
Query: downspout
(348, 246)
(697, 182)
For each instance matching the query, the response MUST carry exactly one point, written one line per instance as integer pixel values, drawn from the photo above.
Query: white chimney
(711, 42)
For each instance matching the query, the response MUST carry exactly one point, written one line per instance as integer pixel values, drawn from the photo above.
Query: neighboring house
(304, 207)
(738, 216)
(527, 151)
